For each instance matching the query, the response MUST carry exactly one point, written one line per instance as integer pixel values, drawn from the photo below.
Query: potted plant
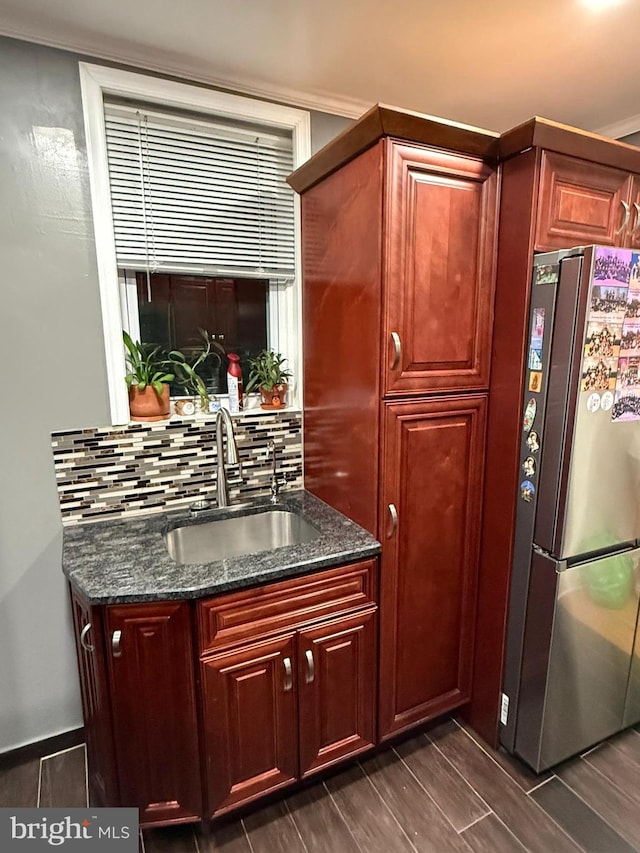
(186, 370)
(147, 380)
(266, 372)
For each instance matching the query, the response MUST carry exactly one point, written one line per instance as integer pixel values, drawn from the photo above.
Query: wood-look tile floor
(443, 791)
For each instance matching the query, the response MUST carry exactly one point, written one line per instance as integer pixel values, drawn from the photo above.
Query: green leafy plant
(266, 371)
(147, 365)
(186, 369)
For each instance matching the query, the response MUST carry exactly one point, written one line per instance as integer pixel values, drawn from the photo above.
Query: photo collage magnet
(611, 360)
(611, 274)
(626, 405)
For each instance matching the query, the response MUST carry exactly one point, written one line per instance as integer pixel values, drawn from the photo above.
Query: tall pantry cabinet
(399, 224)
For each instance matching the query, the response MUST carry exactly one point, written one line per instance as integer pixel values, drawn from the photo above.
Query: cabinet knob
(397, 350)
(627, 214)
(288, 675)
(116, 639)
(311, 667)
(393, 515)
(88, 647)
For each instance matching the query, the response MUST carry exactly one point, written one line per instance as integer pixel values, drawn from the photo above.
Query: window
(171, 233)
(171, 309)
(199, 194)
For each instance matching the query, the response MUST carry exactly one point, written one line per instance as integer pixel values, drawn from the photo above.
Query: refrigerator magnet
(535, 381)
(529, 415)
(527, 490)
(533, 442)
(593, 402)
(606, 401)
(611, 276)
(599, 374)
(546, 274)
(626, 407)
(536, 338)
(630, 335)
(529, 466)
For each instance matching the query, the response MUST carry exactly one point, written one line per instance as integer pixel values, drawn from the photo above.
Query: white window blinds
(199, 196)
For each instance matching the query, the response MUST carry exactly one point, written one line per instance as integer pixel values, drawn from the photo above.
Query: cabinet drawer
(232, 618)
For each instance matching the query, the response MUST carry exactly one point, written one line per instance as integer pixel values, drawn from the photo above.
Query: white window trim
(97, 81)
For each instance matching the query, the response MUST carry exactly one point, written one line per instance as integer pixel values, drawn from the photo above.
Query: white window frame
(97, 81)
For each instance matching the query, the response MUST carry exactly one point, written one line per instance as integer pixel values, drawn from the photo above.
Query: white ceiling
(492, 64)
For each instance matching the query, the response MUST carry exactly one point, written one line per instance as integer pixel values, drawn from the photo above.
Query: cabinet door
(250, 721)
(431, 493)
(96, 704)
(581, 202)
(173, 308)
(154, 712)
(439, 277)
(336, 690)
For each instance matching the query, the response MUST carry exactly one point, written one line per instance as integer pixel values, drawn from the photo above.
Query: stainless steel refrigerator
(572, 665)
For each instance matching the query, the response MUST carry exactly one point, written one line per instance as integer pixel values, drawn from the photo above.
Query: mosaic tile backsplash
(132, 470)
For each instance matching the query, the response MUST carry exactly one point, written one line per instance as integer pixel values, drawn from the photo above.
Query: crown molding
(325, 102)
(621, 128)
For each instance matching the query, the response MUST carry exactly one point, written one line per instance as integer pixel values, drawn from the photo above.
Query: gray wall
(53, 376)
(324, 127)
(53, 372)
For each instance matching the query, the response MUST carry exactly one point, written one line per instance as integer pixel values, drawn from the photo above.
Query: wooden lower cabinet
(287, 707)
(250, 721)
(194, 708)
(431, 498)
(153, 701)
(96, 703)
(337, 681)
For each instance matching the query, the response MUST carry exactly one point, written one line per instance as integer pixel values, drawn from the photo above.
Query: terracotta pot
(274, 398)
(147, 405)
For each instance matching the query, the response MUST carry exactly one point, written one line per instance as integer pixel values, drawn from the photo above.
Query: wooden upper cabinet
(580, 203)
(433, 462)
(151, 664)
(441, 219)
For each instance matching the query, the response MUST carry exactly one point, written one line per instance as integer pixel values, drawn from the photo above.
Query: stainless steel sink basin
(208, 541)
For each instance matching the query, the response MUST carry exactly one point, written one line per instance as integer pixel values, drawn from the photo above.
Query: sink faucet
(275, 481)
(223, 421)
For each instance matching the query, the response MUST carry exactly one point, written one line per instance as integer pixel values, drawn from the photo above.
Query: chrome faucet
(223, 419)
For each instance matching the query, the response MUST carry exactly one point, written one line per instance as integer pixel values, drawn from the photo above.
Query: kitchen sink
(208, 541)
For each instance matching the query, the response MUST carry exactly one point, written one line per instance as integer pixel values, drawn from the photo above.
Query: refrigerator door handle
(627, 214)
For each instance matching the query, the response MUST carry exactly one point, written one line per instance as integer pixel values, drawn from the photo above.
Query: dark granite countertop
(126, 560)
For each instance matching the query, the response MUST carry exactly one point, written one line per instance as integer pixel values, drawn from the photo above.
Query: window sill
(253, 410)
